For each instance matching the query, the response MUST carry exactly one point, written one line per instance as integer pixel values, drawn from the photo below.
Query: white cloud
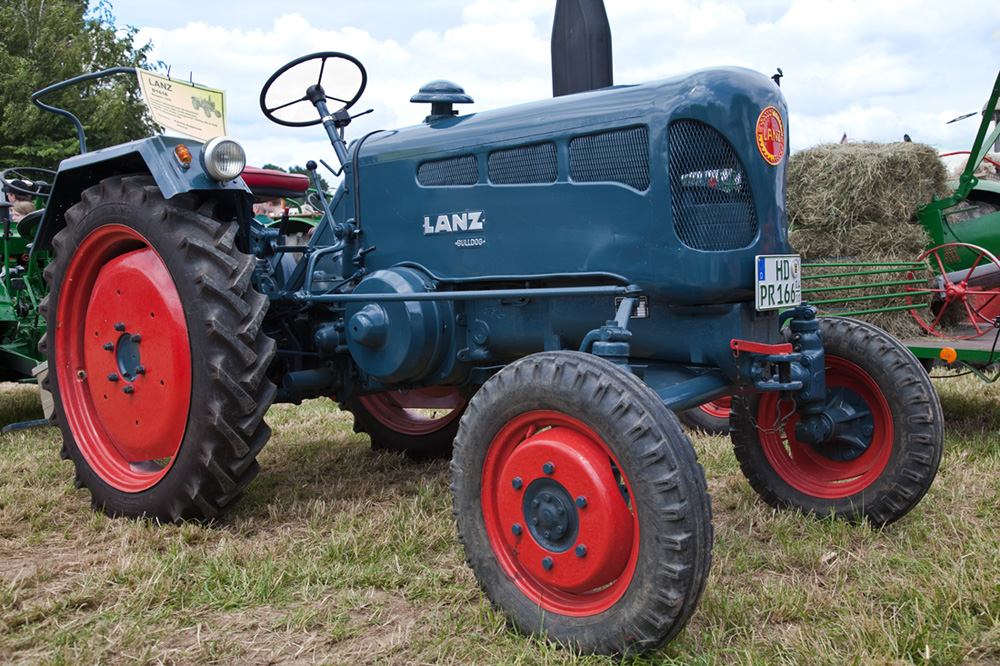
(875, 70)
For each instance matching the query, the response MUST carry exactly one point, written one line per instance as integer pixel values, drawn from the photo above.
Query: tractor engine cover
(399, 341)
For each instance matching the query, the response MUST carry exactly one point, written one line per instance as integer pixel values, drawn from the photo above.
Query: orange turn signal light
(183, 155)
(948, 355)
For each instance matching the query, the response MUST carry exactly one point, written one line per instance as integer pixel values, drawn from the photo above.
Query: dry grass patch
(339, 555)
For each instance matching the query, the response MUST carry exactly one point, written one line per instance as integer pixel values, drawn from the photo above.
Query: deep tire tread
(230, 354)
(918, 424)
(661, 465)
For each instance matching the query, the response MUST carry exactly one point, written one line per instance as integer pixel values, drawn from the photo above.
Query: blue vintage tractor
(553, 281)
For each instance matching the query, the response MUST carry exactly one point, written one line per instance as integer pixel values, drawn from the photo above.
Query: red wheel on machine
(886, 432)
(581, 505)
(959, 299)
(711, 417)
(842, 467)
(157, 353)
(126, 382)
(420, 423)
(550, 476)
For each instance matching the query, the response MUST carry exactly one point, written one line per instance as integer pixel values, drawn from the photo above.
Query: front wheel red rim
(559, 514)
(123, 358)
(856, 456)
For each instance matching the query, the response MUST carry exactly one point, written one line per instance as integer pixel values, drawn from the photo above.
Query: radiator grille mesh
(711, 201)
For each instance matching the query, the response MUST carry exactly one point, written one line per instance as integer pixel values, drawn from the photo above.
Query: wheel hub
(128, 357)
(550, 515)
(852, 423)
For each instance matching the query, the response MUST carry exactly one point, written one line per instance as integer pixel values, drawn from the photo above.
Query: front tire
(581, 504)
(156, 353)
(887, 444)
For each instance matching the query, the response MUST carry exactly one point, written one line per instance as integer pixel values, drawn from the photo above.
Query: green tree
(43, 42)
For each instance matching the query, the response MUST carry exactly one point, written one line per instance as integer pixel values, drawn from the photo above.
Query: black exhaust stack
(581, 47)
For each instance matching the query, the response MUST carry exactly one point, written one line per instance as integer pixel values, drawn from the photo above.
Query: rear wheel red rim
(124, 358)
(417, 412)
(558, 513)
(812, 472)
(718, 408)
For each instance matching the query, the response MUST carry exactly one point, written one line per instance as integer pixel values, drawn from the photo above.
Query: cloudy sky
(873, 69)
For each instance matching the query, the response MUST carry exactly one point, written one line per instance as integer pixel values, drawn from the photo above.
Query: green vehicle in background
(21, 285)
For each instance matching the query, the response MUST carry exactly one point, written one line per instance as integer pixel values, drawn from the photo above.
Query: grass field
(339, 555)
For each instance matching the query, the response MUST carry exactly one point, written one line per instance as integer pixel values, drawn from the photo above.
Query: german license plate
(779, 281)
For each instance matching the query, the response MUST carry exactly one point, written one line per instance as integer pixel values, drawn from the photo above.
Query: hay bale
(857, 202)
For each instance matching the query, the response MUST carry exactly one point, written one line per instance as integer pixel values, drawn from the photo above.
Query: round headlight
(224, 158)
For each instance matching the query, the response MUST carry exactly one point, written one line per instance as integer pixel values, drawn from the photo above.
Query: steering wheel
(342, 72)
(42, 179)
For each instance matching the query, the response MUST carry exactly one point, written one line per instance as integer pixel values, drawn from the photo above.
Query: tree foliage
(43, 42)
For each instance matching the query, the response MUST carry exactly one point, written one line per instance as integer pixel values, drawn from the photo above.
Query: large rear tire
(888, 439)
(581, 504)
(157, 358)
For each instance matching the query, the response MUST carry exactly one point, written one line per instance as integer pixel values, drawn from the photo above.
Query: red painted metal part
(276, 183)
(572, 585)
(130, 428)
(718, 408)
(396, 409)
(805, 469)
(760, 348)
(979, 306)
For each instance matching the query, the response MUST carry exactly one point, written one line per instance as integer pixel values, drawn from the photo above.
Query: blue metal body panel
(566, 227)
(154, 156)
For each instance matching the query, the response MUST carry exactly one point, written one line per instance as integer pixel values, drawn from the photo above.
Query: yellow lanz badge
(771, 136)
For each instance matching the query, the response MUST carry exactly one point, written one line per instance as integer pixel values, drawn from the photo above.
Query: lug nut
(581, 501)
(113, 377)
(140, 370)
(548, 468)
(517, 483)
(580, 550)
(547, 563)
(535, 504)
(136, 337)
(516, 529)
(109, 346)
(120, 326)
(128, 389)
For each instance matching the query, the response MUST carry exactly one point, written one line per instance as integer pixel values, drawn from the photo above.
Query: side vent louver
(618, 156)
(453, 171)
(522, 165)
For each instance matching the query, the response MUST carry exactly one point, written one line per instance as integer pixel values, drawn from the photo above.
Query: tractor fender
(155, 156)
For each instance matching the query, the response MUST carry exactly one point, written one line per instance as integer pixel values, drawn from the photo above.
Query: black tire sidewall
(166, 227)
(615, 630)
(916, 419)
